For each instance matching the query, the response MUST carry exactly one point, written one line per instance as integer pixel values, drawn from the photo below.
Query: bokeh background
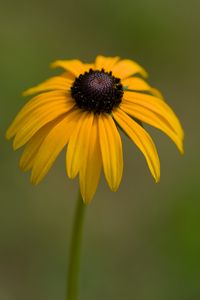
(142, 242)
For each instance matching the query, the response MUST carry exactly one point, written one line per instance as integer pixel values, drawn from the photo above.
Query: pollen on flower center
(97, 91)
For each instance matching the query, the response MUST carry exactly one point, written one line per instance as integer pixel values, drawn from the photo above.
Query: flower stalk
(74, 256)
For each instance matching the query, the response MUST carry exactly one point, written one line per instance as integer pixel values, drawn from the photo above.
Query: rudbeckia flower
(84, 109)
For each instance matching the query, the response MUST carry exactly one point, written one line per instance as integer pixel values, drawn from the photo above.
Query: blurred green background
(142, 242)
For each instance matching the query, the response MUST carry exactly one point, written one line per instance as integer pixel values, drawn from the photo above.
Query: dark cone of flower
(97, 91)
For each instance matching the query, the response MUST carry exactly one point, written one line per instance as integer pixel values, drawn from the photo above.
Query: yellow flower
(80, 108)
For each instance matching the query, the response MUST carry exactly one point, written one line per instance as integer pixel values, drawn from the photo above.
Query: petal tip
(71, 175)
(34, 180)
(24, 167)
(181, 150)
(144, 73)
(114, 188)
(7, 135)
(26, 93)
(16, 144)
(70, 172)
(156, 174)
(69, 169)
(180, 147)
(86, 200)
(10, 132)
(54, 64)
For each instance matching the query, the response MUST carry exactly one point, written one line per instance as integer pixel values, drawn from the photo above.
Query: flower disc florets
(97, 91)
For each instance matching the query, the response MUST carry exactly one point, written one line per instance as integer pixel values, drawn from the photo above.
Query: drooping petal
(54, 83)
(38, 118)
(91, 163)
(76, 147)
(156, 92)
(153, 119)
(156, 105)
(126, 68)
(74, 66)
(142, 139)
(52, 145)
(136, 83)
(106, 63)
(33, 104)
(32, 147)
(111, 150)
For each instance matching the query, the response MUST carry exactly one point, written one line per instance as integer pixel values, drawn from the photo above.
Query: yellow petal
(76, 148)
(68, 75)
(156, 92)
(54, 83)
(87, 67)
(36, 102)
(37, 119)
(91, 164)
(135, 83)
(32, 147)
(126, 68)
(106, 63)
(111, 150)
(158, 106)
(145, 115)
(74, 66)
(52, 145)
(142, 139)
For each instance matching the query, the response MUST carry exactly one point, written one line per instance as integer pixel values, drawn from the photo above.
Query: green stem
(74, 258)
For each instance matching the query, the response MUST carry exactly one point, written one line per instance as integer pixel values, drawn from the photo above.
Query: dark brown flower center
(97, 91)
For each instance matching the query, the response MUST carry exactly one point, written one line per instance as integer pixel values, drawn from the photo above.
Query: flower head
(81, 109)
